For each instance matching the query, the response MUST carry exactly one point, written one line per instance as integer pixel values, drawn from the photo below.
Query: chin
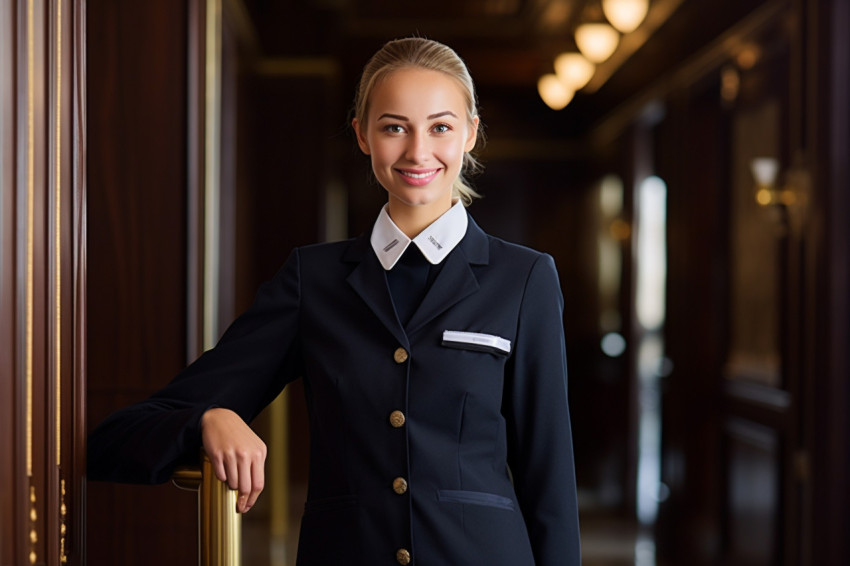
(418, 200)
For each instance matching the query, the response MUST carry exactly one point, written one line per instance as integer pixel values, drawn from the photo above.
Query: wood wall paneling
(9, 374)
(754, 491)
(137, 177)
(696, 323)
(828, 360)
(768, 115)
(41, 214)
(282, 167)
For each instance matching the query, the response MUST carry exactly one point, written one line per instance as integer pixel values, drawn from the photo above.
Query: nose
(417, 148)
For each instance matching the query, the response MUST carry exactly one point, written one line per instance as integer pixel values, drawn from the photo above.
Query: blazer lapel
(456, 280)
(369, 281)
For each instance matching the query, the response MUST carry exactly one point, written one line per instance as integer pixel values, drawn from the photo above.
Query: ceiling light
(597, 41)
(625, 15)
(554, 93)
(574, 69)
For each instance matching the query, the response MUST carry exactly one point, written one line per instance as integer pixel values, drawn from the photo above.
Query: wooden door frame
(43, 283)
(827, 359)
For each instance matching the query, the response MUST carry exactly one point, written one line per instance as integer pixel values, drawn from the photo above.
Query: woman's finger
(232, 468)
(257, 480)
(218, 466)
(244, 465)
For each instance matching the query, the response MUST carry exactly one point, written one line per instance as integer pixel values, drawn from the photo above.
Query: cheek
(453, 151)
(383, 155)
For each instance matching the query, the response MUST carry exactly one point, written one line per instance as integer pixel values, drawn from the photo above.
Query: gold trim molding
(212, 153)
(33, 555)
(30, 222)
(57, 237)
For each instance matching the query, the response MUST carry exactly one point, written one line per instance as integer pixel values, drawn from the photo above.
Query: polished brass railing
(219, 525)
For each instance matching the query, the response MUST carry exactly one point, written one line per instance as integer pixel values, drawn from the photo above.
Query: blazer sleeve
(255, 358)
(540, 449)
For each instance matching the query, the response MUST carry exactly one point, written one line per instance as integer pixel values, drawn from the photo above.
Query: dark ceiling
(507, 44)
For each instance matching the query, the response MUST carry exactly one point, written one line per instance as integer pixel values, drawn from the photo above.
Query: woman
(432, 356)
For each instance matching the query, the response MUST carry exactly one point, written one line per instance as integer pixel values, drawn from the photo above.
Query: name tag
(476, 341)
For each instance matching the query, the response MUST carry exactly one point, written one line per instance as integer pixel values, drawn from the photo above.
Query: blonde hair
(424, 54)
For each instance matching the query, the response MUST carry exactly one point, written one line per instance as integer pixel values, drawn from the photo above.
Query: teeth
(417, 175)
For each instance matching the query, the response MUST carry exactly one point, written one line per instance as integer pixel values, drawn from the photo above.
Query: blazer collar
(455, 282)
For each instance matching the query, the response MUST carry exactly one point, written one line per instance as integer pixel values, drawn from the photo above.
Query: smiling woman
(432, 355)
(417, 135)
(425, 56)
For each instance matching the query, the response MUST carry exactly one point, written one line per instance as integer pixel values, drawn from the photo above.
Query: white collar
(435, 242)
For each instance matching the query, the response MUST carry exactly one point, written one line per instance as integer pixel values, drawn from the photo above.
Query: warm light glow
(597, 42)
(625, 15)
(554, 93)
(620, 230)
(764, 196)
(765, 170)
(730, 84)
(748, 56)
(574, 69)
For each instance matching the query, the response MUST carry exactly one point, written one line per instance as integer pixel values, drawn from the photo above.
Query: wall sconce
(625, 15)
(574, 69)
(765, 171)
(554, 92)
(792, 196)
(596, 41)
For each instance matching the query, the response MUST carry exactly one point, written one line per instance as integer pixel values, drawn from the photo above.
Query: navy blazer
(452, 451)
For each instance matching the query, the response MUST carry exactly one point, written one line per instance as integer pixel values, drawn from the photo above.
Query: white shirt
(435, 242)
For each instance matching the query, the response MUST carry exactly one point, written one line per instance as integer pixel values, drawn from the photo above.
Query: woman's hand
(237, 454)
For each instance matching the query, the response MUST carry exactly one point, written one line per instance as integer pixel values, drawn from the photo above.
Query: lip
(417, 177)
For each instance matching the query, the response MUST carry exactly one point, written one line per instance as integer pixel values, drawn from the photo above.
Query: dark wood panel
(38, 159)
(137, 176)
(828, 352)
(75, 428)
(283, 164)
(689, 521)
(9, 428)
(753, 494)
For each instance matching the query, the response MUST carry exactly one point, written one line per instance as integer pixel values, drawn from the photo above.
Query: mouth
(418, 177)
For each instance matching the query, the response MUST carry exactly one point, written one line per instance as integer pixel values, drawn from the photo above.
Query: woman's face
(416, 134)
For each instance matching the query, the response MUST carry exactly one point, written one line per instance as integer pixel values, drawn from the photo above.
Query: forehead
(414, 92)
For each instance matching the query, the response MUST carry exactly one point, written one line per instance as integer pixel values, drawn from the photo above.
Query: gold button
(400, 355)
(402, 556)
(400, 486)
(397, 419)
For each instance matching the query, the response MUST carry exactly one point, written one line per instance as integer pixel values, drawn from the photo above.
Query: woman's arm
(253, 361)
(539, 436)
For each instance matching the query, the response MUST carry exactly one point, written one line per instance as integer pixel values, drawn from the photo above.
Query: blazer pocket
(476, 498)
(329, 504)
(477, 341)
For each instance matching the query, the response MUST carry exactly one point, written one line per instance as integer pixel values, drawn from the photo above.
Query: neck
(413, 219)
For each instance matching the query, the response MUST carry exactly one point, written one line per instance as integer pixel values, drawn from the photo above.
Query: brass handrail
(219, 525)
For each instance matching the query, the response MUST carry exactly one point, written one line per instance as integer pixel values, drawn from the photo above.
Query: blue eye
(442, 128)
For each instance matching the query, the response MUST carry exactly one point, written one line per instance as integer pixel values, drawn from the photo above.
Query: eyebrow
(406, 119)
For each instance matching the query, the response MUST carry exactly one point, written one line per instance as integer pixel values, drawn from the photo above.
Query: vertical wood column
(137, 277)
(42, 216)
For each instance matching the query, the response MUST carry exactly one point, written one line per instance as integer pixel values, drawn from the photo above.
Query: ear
(473, 135)
(361, 137)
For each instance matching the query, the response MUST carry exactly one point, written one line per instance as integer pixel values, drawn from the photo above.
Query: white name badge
(476, 341)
